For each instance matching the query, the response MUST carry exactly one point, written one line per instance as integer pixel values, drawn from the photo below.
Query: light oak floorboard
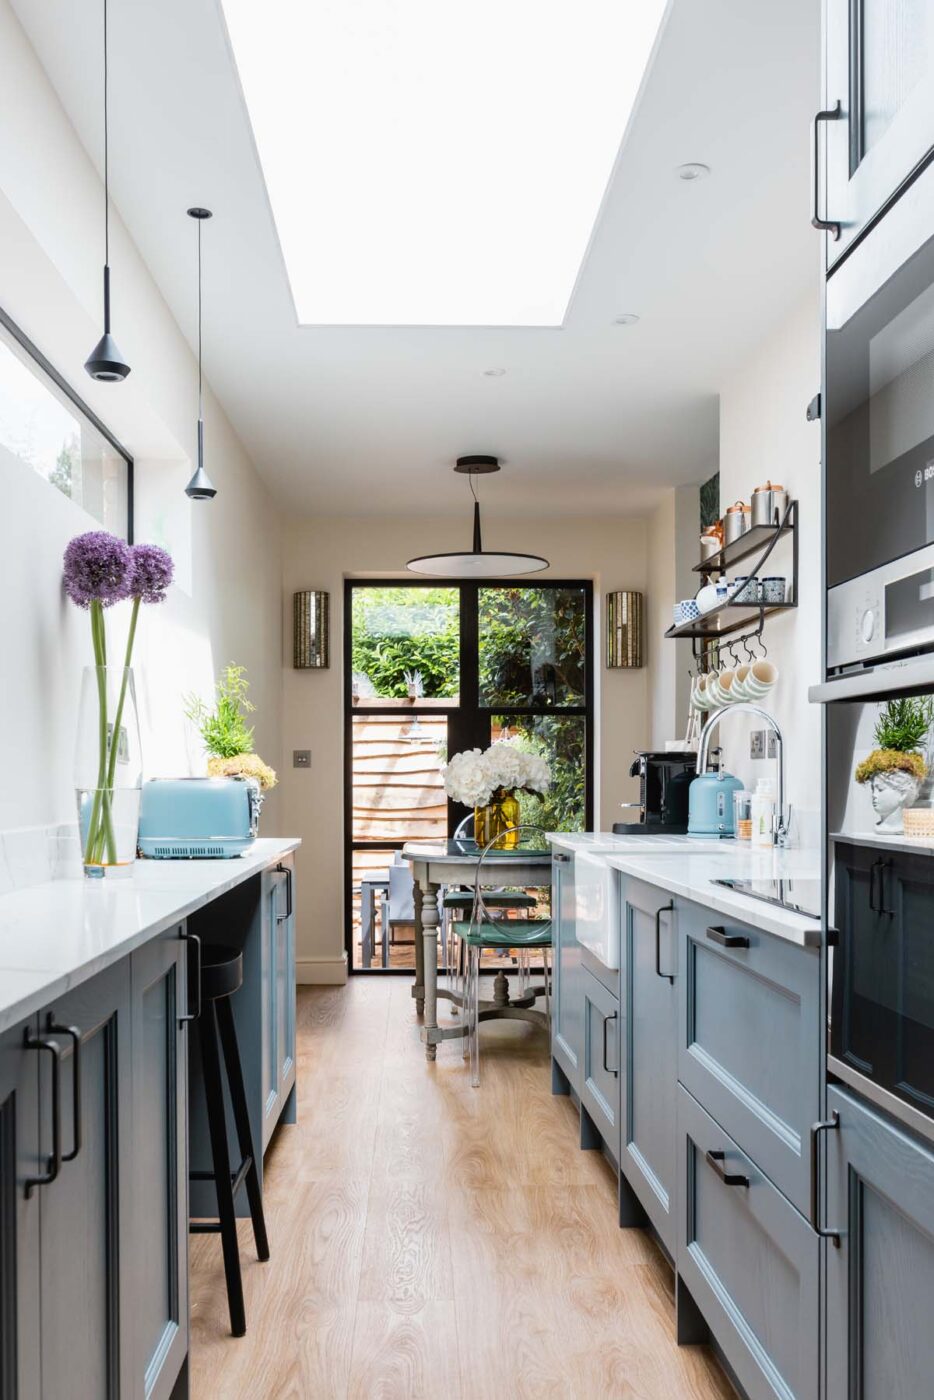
(431, 1240)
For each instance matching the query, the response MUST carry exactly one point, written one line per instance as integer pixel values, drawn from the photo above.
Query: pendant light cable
(199, 487)
(106, 155)
(200, 394)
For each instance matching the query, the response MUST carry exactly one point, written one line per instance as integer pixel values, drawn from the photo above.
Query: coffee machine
(664, 781)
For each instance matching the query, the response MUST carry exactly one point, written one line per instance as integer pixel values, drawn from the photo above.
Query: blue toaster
(198, 818)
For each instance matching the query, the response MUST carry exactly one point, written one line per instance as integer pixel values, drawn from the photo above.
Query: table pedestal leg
(430, 920)
(418, 991)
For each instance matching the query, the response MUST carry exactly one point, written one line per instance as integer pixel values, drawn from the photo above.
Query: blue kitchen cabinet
(600, 1064)
(648, 1079)
(749, 1040)
(749, 1260)
(20, 1345)
(278, 996)
(567, 1014)
(880, 1273)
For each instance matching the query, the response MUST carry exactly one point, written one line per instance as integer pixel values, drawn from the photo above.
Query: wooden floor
(429, 1239)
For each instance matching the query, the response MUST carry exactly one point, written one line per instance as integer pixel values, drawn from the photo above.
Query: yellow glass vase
(495, 819)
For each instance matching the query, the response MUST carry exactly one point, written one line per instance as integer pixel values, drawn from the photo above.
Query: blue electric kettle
(710, 801)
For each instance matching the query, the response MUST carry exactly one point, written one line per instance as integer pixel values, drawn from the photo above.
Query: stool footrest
(237, 1178)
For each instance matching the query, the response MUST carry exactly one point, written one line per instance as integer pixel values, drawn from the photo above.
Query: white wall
(673, 532)
(227, 606)
(764, 435)
(320, 554)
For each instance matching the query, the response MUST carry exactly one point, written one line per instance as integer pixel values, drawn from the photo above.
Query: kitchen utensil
(735, 521)
(738, 688)
(760, 680)
(725, 683)
(769, 503)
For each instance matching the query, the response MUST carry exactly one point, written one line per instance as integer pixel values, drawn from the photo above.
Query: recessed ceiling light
(692, 171)
(494, 373)
(388, 217)
(628, 318)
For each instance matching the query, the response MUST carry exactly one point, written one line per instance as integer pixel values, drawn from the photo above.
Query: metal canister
(735, 522)
(767, 502)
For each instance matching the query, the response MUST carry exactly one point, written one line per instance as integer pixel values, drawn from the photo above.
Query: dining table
(455, 862)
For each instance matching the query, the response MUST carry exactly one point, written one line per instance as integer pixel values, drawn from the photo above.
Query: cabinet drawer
(749, 1040)
(600, 1069)
(749, 1259)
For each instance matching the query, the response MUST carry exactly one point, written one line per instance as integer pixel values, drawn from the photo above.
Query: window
(44, 425)
(434, 670)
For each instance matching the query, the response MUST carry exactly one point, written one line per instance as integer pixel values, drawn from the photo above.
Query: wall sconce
(311, 630)
(624, 629)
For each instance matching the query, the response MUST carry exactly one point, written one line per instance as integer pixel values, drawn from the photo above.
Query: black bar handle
(606, 1021)
(193, 1015)
(827, 1125)
(286, 870)
(883, 867)
(717, 934)
(828, 115)
(872, 887)
(717, 1161)
(560, 857)
(665, 909)
(38, 1042)
(75, 1036)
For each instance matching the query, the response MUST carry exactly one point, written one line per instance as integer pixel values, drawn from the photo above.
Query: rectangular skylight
(438, 163)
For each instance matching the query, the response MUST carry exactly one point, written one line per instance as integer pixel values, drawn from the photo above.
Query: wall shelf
(754, 539)
(727, 619)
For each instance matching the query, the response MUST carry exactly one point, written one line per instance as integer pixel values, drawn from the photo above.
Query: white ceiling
(589, 418)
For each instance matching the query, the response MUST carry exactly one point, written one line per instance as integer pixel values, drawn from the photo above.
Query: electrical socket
(301, 758)
(763, 743)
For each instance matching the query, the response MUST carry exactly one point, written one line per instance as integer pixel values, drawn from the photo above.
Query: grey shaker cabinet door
(648, 1077)
(880, 1281)
(567, 1020)
(87, 1303)
(19, 1217)
(600, 1062)
(749, 1260)
(749, 1040)
(158, 1256)
(278, 993)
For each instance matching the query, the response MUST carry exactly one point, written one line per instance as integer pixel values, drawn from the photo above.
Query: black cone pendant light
(477, 562)
(199, 487)
(105, 361)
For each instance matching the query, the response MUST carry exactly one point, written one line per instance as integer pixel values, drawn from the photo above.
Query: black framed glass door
(431, 671)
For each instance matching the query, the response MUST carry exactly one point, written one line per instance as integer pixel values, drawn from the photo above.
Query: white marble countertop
(56, 935)
(602, 842)
(691, 874)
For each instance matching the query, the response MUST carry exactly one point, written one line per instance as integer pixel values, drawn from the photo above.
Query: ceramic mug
(700, 699)
(725, 682)
(740, 676)
(762, 677)
(713, 692)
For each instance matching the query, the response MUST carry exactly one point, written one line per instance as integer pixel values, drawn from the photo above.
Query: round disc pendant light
(477, 562)
(199, 487)
(105, 361)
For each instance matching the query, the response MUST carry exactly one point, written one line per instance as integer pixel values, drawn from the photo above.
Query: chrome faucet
(745, 707)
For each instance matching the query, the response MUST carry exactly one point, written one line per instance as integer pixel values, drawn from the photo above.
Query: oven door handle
(829, 115)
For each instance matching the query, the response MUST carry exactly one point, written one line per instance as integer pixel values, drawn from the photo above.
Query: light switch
(301, 758)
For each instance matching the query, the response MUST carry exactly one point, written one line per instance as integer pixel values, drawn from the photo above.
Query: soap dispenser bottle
(763, 814)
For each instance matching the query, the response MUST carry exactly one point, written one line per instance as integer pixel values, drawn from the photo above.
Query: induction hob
(802, 895)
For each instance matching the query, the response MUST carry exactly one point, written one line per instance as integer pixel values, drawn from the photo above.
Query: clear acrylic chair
(484, 931)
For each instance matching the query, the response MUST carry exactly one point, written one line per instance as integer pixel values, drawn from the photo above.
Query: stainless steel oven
(881, 999)
(879, 450)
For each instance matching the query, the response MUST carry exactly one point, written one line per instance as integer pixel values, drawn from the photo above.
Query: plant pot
(891, 793)
(495, 820)
(108, 771)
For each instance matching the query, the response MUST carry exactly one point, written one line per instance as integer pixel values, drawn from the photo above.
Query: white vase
(891, 793)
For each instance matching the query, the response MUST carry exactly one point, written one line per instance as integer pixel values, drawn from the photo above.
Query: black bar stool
(221, 976)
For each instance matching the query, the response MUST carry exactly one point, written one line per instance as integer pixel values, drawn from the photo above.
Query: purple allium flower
(98, 569)
(152, 572)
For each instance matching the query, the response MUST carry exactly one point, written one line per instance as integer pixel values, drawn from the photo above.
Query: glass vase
(495, 820)
(108, 771)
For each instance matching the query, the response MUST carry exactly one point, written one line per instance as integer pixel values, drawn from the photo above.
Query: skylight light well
(437, 164)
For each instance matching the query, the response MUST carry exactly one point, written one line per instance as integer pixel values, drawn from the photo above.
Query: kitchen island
(98, 982)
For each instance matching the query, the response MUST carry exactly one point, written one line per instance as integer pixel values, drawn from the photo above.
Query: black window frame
(468, 725)
(48, 369)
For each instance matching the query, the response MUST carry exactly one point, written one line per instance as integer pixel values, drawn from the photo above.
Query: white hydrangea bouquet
(476, 776)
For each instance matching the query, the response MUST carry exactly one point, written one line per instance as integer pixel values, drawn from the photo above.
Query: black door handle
(665, 909)
(831, 1124)
(716, 1160)
(286, 870)
(190, 1015)
(872, 886)
(38, 1042)
(75, 1036)
(829, 115)
(716, 934)
(606, 1021)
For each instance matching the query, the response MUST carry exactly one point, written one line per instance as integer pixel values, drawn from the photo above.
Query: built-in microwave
(878, 407)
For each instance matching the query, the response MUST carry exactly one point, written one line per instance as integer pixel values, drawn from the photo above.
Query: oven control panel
(883, 613)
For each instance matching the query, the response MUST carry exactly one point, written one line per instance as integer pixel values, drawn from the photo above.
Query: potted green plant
(896, 768)
(227, 736)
